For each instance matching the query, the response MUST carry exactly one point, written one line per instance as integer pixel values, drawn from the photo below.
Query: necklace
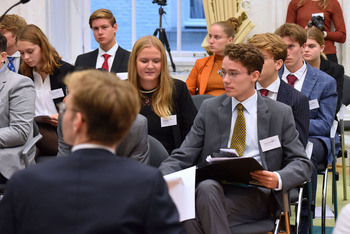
(148, 91)
(217, 66)
(147, 98)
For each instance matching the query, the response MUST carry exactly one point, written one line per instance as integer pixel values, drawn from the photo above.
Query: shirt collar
(92, 146)
(111, 51)
(299, 74)
(273, 87)
(249, 104)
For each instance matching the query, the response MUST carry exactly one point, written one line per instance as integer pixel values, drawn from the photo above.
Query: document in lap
(229, 170)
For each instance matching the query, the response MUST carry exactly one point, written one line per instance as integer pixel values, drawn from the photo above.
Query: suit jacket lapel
(225, 115)
(117, 60)
(281, 95)
(263, 116)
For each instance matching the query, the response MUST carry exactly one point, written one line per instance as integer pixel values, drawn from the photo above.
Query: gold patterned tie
(238, 136)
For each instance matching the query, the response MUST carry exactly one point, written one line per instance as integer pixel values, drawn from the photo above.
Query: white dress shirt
(44, 104)
(101, 59)
(92, 146)
(272, 88)
(300, 75)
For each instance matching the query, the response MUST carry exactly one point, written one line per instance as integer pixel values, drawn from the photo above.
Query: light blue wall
(147, 21)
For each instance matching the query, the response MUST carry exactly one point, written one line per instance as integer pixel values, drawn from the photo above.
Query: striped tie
(10, 65)
(239, 132)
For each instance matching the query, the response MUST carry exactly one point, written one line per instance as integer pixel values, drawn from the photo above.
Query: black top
(184, 109)
(337, 72)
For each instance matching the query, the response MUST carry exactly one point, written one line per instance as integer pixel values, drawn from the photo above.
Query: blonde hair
(317, 35)
(230, 26)
(162, 100)
(108, 105)
(272, 43)
(12, 23)
(323, 4)
(49, 56)
(102, 14)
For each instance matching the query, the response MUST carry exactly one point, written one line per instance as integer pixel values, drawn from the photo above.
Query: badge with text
(314, 104)
(270, 143)
(170, 121)
(57, 93)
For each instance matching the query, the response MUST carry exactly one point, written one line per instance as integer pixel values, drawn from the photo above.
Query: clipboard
(234, 170)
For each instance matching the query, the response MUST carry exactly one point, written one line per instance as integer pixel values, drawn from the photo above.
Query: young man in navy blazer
(92, 190)
(270, 85)
(104, 28)
(321, 90)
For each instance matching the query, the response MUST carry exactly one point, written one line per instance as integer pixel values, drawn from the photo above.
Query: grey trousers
(220, 207)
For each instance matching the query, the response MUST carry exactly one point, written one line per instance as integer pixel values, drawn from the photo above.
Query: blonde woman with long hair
(166, 102)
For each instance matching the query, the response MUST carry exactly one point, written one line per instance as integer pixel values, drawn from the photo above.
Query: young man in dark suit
(92, 190)
(270, 85)
(217, 124)
(109, 56)
(10, 26)
(319, 88)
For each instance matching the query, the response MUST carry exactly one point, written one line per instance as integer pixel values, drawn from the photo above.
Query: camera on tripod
(160, 2)
(316, 21)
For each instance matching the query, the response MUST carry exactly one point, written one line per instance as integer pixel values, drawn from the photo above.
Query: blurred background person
(44, 66)
(166, 102)
(313, 54)
(302, 12)
(204, 77)
(10, 26)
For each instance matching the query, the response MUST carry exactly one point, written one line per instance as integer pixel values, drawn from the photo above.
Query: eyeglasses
(62, 108)
(232, 75)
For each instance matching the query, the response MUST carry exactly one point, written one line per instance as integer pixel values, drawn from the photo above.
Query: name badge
(314, 104)
(270, 143)
(57, 93)
(170, 121)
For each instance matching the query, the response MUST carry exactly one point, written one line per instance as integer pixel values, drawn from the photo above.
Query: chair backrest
(346, 90)
(198, 99)
(157, 152)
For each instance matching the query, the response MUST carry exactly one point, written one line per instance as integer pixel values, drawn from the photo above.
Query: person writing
(204, 77)
(44, 66)
(301, 12)
(166, 102)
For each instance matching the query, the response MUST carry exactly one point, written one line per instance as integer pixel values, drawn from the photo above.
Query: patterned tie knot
(11, 59)
(264, 92)
(239, 106)
(105, 63)
(291, 79)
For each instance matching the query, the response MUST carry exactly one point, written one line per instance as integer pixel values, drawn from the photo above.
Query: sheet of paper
(209, 159)
(122, 75)
(181, 186)
(233, 151)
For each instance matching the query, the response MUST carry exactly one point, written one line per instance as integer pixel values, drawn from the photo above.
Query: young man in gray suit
(109, 56)
(17, 107)
(218, 206)
(92, 190)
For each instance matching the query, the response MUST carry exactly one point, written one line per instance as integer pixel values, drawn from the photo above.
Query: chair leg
(334, 190)
(324, 193)
(343, 164)
(311, 215)
(297, 218)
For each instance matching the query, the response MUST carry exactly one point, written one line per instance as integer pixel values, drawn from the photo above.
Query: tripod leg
(156, 32)
(164, 40)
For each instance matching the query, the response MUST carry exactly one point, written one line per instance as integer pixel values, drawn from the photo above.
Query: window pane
(197, 11)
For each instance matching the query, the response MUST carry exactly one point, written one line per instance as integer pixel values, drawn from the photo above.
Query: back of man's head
(3, 43)
(272, 43)
(102, 14)
(247, 54)
(12, 23)
(295, 32)
(107, 104)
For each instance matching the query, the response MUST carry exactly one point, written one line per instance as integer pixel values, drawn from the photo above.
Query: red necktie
(291, 79)
(105, 63)
(264, 92)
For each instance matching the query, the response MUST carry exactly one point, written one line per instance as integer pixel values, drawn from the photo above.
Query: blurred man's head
(100, 108)
(10, 26)
(275, 52)
(3, 55)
